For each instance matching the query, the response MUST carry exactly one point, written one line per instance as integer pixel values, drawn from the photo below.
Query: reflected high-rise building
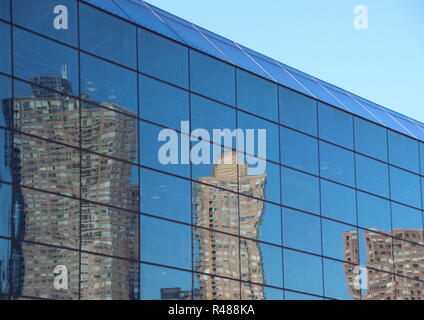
(392, 255)
(62, 169)
(223, 254)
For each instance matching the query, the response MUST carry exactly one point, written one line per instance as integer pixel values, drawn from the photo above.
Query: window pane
(338, 202)
(218, 253)
(301, 231)
(260, 263)
(45, 17)
(269, 225)
(46, 165)
(302, 272)
(216, 288)
(335, 284)
(45, 62)
(170, 155)
(300, 191)
(5, 269)
(32, 273)
(405, 187)
(374, 213)
(338, 240)
(370, 139)
(212, 78)
(257, 96)
(162, 58)
(109, 85)
(253, 146)
(335, 126)
(337, 164)
(407, 221)
(58, 111)
(166, 284)
(110, 231)
(219, 117)
(6, 218)
(6, 152)
(109, 181)
(107, 36)
(299, 151)
(162, 103)
(107, 278)
(5, 51)
(403, 152)
(298, 112)
(166, 243)
(5, 9)
(166, 196)
(5, 101)
(372, 176)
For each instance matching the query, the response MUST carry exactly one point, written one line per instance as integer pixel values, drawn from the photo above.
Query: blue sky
(384, 63)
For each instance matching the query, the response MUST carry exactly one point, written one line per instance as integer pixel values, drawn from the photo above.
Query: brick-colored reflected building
(393, 255)
(217, 209)
(67, 221)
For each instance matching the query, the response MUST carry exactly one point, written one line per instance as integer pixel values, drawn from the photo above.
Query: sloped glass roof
(171, 26)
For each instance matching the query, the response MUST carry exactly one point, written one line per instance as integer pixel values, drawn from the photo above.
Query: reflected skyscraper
(389, 254)
(221, 210)
(42, 164)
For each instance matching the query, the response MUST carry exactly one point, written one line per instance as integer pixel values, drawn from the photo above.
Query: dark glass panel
(298, 111)
(5, 48)
(109, 85)
(212, 78)
(257, 95)
(55, 19)
(162, 103)
(299, 151)
(45, 62)
(300, 191)
(335, 126)
(163, 58)
(370, 139)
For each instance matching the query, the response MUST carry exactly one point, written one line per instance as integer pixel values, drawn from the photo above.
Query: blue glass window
(160, 283)
(302, 272)
(422, 158)
(162, 103)
(109, 85)
(163, 58)
(335, 284)
(407, 218)
(372, 176)
(5, 52)
(5, 9)
(405, 187)
(334, 241)
(338, 202)
(403, 152)
(374, 213)
(299, 151)
(5, 101)
(36, 59)
(247, 122)
(370, 139)
(166, 243)
(6, 200)
(257, 95)
(301, 231)
(337, 164)
(55, 19)
(335, 126)
(300, 191)
(108, 36)
(212, 78)
(161, 194)
(298, 111)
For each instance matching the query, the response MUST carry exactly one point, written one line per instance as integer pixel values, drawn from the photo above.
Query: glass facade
(87, 200)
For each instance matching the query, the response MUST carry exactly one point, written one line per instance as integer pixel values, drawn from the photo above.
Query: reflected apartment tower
(221, 210)
(391, 255)
(64, 221)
